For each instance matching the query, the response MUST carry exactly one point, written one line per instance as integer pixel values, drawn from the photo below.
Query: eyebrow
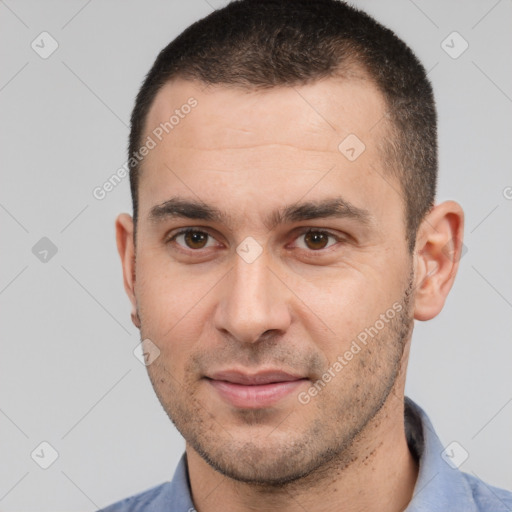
(337, 207)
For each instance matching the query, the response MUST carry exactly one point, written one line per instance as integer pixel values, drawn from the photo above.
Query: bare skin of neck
(380, 479)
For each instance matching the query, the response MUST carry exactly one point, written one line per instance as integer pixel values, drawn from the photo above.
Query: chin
(273, 460)
(260, 470)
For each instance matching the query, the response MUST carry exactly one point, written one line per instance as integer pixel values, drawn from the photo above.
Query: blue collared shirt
(440, 486)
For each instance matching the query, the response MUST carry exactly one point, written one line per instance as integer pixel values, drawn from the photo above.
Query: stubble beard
(277, 457)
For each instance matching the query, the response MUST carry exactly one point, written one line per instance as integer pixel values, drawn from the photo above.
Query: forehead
(264, 145)
(316, 116)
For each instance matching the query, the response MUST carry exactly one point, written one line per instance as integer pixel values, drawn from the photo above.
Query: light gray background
(68, 374)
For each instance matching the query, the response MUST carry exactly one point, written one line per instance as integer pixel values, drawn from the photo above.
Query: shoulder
(487, 497)
(146, 501)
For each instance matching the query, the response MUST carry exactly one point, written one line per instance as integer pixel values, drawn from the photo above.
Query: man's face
(250, 309)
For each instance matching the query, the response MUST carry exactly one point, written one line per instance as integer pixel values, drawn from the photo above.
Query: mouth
(254, 390)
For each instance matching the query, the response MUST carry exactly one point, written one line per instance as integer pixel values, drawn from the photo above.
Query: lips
(254, 390)
(264, 377)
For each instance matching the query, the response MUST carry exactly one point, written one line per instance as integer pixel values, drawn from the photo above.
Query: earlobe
(126, 249)
(135, 318)
(438, 251)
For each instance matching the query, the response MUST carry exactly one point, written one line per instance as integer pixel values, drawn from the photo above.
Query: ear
(437, 254)
(126, 249)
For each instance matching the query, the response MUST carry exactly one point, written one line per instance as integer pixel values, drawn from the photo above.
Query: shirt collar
(439, 486)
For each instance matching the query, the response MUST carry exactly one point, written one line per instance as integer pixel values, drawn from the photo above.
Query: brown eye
(196, 239)
(192, 239)
(316, 240)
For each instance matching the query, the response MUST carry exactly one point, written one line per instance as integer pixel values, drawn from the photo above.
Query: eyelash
(306, 231)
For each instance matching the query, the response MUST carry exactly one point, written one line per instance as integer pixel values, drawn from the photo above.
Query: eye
(317, 240)
(192, 238)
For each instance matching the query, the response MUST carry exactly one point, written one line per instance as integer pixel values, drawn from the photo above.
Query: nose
(254, 301)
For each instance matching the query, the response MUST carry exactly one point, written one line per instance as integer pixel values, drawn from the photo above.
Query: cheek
(345, 303)
(172, 307)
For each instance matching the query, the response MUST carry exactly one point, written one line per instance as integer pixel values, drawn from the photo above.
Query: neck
(381, 476)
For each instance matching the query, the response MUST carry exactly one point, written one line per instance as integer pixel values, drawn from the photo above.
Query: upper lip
(252, 379)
